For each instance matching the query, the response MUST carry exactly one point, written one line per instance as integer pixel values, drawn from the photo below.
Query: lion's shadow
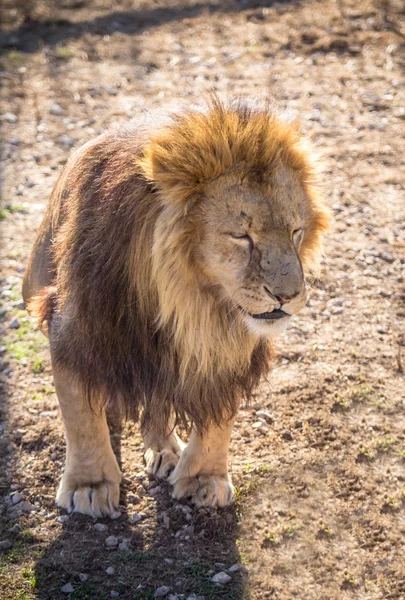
(172, 545)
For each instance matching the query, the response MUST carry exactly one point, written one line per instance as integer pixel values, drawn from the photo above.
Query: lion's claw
(204, 490)
(96, 500)
(160, 463)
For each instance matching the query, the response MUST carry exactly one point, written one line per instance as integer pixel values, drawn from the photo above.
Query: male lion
(170, 252)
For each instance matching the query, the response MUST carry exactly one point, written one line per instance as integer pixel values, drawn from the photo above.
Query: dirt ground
(320, 474)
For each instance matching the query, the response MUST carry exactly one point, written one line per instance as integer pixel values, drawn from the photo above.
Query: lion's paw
(204, 490)
(96, 500)
(160, 463)
(92, 490)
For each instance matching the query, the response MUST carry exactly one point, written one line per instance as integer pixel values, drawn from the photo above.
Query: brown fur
(137, 319)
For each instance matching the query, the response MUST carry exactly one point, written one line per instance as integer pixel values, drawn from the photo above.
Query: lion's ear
(165, 166)
(181, 157)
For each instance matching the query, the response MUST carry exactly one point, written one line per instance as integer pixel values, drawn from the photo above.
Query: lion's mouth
(274, 315)
(277, 313)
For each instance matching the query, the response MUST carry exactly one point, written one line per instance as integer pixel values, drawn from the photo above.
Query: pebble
(166, 520)
(137, 517)
(62, 518)
(338, 310)
(16, 529)
(221, 578)
(16, 498)
(237, 567)
(14, 323)
(162, 591)
(132, 499)
(110, 570)
(168, 561)
(83, 577)
(10, 118)
(114, 594)
(52, 414)
(6, 544)
(287, 435)
(111, 541)
(66, 140)
(124, 546)
(264, 414)
(56, 109)
(387, 257)
(99, 527)
(26, 506)
(67, 588)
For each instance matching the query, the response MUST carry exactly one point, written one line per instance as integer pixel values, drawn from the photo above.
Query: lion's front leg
(162, 452)
(202, 472)
(91, 479)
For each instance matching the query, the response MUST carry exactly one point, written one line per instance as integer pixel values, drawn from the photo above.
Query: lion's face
(250, 247)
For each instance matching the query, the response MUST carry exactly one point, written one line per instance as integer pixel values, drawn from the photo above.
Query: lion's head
(241, 210)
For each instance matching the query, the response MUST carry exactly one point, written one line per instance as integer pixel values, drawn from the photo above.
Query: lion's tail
(43, 306)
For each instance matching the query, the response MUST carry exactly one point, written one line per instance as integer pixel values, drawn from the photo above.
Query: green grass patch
(15, 58)
(64, 53)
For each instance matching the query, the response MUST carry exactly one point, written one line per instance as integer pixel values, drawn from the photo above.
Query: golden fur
(143, 281)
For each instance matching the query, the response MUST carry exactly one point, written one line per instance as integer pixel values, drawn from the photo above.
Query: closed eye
(242, 239)
(238, 236)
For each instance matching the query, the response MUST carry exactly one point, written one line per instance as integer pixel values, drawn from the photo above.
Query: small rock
(287, 435)
(10, 118)
(114, 594)
(124, 546)
(166, 520)
(221, 578)
(110, 570)
(99, 527)
(56, 109)
(387, 257)
(62, 518)
(264, 414)
(137, 517)
(337, 310)
(16, 529)
(132, 499)
(237, 567)
(162, 591)
(26, 506)
(67, 588)
(16, 498)
(83, 577)
(52, 414)
(6, 544)
(111, 541)
(14, 323)
(66, 140)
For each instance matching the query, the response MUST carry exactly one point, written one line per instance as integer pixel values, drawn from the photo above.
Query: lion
(171, 252)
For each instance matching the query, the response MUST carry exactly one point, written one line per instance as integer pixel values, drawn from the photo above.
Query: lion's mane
(131, 318)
